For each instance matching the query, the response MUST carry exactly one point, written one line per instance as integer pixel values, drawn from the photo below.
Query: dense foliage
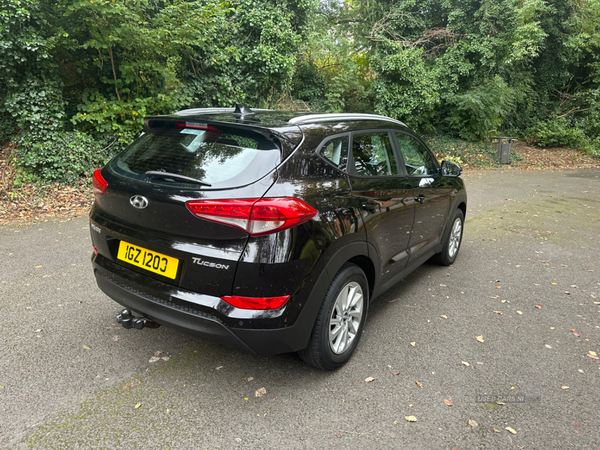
(78, 76)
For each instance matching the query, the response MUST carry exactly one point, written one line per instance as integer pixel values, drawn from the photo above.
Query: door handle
(420, 199)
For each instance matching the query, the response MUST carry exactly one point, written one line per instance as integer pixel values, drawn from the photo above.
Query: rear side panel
(290, 262)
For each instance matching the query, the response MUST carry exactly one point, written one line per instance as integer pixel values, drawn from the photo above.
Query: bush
(62, 157)
(557, 133)
(480, 110)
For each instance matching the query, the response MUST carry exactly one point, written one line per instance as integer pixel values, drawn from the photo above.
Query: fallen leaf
(479, 338)
(128, 385)
(410, 418)
(369, 379)
(38, 267)
(499, 312)
(480, 363)
(572, 329)
(548, 346)
(519, 312)
(592, 353)
(564, 387)
(138, 405)
(86, 347)
(218, 368)
(498, 287)
(443, 316)
(395, 373)
(260, 392)
(594, 356)
(500, 403)
(496, 431)
(165, 358)
(538, 306)
(447, 402)
(554, 283)
(250, 378)
(465, 363)
(596, 303)
(158, 353)
(419, 384)
(395, 422)
(511, 430)
(413, 343)
(504, 301)
(245, 398)
(575, 334)
(153, 359)
(472, 423)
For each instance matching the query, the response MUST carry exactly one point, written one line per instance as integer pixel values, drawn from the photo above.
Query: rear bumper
(168, 313)
(172, 310)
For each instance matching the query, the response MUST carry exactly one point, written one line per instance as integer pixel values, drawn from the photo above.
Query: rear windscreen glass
(219, 157)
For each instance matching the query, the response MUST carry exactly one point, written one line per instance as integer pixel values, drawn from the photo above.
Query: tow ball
(128, 320)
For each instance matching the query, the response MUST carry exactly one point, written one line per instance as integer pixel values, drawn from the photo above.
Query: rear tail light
(255, 216)
(99, 183)
(256, 302)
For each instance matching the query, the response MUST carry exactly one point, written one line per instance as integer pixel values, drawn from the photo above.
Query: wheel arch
(367, 266)
(462, 205)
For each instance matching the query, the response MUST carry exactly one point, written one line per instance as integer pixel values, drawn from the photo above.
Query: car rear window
(220, 157)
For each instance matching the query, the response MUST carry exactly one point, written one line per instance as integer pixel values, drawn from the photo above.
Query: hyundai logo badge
(139, 201)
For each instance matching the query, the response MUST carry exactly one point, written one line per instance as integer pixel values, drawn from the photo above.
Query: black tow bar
(128, 320)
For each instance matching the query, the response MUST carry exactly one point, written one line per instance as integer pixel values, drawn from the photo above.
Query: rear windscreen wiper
(174, 176)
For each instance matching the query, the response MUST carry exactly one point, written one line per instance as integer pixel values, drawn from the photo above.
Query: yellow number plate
(154, 262)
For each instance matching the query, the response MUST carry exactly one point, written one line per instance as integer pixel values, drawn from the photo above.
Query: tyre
(452, 239)
(340, 320)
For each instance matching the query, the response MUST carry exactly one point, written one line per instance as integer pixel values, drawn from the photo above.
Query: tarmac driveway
(527, 283)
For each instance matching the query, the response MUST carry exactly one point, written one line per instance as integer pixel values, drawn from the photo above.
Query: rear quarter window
(219, 156)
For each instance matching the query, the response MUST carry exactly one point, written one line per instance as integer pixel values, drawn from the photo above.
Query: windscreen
(215, 156)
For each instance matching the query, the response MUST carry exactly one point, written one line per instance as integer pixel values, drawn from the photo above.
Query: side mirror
(451, 169)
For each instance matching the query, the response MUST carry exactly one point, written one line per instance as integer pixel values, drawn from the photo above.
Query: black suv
(270, 231)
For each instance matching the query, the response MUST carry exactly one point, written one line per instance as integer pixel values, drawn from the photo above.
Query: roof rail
(312, 118)
(191, 112)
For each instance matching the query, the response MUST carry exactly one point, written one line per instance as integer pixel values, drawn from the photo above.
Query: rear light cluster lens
(255, 216)
(99, 183)
(256, 302)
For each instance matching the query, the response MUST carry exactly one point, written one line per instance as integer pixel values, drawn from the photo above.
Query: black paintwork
(386, 225)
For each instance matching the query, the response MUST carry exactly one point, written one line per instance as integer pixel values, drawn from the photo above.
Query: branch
(575, 110)
(109, 145)
(112, 63)
(193, 67)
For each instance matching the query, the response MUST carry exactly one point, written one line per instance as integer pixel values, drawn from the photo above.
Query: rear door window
(219, 157)
(373, 155)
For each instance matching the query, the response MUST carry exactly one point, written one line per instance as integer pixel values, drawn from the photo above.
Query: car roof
(268, 118)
